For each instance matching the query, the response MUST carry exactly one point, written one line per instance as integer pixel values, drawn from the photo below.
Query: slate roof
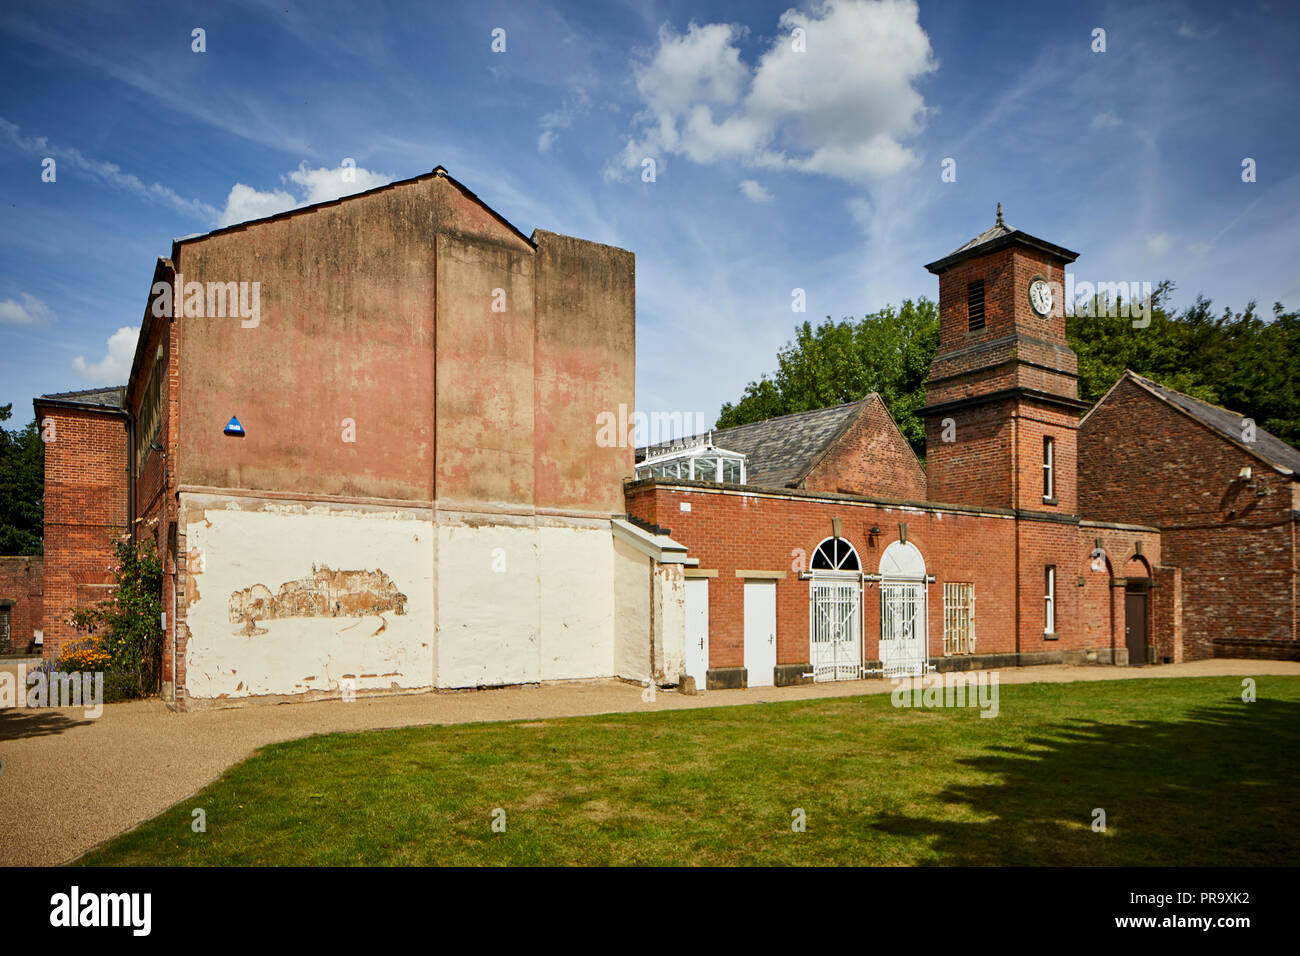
(995, 237)
(112, 396)
(779, 452)
(1227, 423)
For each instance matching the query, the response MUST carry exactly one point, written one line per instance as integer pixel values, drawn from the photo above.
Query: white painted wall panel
(488, 607)
(237, 543)
(577, 602)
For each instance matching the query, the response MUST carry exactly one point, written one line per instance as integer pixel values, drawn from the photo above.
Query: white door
(760, 632)
(836, 628)
(904, 634)
(697, 629)
(902, 629)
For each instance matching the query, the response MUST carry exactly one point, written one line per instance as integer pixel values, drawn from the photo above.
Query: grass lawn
(1186, 772)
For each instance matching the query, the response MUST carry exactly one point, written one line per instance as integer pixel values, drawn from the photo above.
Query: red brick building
(1149, 536)
(86, 503)
(21, 585)
(1226, 497)
(361, 435)
(477, 522)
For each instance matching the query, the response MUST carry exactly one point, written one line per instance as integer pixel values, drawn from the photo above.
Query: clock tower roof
(999, 236)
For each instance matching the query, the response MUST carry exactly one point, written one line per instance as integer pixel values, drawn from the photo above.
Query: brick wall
(85, 509)
(21, 586)
(970, 363)
(1234, 539)
(871, 458)
(731, 530)
(155, 484)
(975, 467)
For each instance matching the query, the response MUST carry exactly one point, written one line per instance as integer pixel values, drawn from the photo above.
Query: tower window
(975, 304)
(1049, 468)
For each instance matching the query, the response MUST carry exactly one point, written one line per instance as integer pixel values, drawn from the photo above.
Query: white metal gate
(836, 628)
(902, 628)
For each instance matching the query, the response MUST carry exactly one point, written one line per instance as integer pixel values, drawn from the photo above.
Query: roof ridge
(1192, 398)
(806, 411)
(84, 391)
(1277, 459)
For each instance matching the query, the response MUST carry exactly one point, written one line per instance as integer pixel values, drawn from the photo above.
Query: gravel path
(69, 783)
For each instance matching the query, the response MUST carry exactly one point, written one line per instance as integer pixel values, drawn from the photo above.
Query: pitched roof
(435, 173)
(112, 397)
(996, 237)
(1266, 446)
(779, 452)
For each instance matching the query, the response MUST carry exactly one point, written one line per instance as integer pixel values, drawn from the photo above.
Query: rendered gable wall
(419, 398)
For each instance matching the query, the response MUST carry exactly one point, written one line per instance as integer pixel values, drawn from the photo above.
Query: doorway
(835, 619)
(760, 632)
(904, 631)
(697, 630)
(1137, 622)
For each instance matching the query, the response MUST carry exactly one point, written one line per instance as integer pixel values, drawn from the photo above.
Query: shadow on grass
(1222, 776)
(16, 724)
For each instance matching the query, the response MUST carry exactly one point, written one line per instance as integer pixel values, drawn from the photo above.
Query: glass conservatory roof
(700, 462)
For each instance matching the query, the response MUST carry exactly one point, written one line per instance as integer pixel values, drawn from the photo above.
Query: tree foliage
(22, 487)
(836, 362)
(1239, 360)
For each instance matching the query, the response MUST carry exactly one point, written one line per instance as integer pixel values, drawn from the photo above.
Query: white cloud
(245, 203)
(313, 185)
(1185, 30)
(322, 185)
(1158, 244)
(1105, 121)
(115, 366)
(754, 190)
(31, 311)
(67, 158)
(843, 108)
(574, 106)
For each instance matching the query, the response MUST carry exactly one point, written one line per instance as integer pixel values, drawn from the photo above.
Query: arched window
(835, 554)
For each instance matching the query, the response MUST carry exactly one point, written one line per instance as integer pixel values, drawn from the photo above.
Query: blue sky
(776, 169)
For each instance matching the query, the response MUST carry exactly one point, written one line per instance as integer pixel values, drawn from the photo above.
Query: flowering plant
(126, 629)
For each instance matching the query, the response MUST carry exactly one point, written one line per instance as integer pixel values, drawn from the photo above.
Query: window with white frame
(958, 618)
(1049, 468)
(1049, 600)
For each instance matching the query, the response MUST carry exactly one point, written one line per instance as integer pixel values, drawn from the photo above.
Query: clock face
(1040, 296)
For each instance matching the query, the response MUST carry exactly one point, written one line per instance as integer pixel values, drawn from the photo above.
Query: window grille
(958, 618)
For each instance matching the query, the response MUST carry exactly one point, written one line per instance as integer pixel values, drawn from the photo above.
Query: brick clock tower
(1002, 414)
(1002, 403)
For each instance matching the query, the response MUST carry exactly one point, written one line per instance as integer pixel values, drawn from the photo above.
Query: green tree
(22, 487)
(836, 362)
(1235, 359)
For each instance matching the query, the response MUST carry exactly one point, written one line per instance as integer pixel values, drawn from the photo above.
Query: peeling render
(519, 598)
(325, 593)
(315, 628)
